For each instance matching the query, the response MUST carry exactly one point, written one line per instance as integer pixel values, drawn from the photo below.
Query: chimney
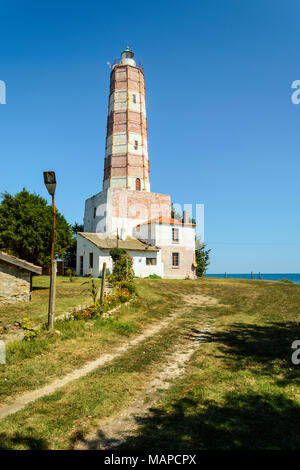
(186, 219)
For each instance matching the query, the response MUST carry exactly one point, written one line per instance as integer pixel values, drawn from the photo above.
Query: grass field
(68, 294)
(239, 391)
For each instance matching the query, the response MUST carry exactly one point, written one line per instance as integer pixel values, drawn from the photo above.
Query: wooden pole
(51, 310)
(102, 283)
(53, 230)
(251, 275)
(225, 275)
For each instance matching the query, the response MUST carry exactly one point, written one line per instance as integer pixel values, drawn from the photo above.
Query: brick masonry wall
(140, 205)
(14, 284)
(186, 258)
(126, 153)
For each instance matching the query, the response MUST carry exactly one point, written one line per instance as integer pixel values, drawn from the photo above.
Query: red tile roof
(165, 220)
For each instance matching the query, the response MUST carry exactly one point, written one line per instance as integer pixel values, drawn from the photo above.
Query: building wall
(123, 209)
(14, 284)
(85, 247)
(161, 236)
(98, 205)
(186, 258)
(185, 247)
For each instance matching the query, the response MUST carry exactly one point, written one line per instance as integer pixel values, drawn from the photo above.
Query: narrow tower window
(136, 145)
(138, 184)
(134, 98)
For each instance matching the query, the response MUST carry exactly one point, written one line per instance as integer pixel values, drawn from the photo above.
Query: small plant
(153, 276)
(29, 332)
(69, 273)
(93, 289)
(128, 285)
(93, 311)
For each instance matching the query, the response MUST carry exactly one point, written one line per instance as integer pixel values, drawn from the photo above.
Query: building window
(151, 261)
(94, 212)
(91, 260)
(136, 145)
(81, 266)
(175, 260)
(134, 98)
(138, 184)
(175, 235)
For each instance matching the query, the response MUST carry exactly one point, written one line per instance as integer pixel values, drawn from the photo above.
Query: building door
(138, 184)
(81, 266)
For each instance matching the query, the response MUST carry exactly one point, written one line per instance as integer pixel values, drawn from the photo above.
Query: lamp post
(50, 183)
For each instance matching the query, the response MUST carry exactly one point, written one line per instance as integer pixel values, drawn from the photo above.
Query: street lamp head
(50, 182)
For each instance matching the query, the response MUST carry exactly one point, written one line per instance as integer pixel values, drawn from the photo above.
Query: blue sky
(221, 125)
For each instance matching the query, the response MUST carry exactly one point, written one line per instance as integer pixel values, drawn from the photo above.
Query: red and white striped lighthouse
(126, 152)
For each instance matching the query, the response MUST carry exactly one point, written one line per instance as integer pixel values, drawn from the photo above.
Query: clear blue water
(268, 277)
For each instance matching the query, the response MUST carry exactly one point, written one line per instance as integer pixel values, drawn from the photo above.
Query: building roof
(106, 242)
(166, 220)
(20, 263)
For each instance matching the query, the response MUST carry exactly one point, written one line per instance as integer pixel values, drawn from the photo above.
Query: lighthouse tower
(125, 199)
(126, 152)
(126, 213)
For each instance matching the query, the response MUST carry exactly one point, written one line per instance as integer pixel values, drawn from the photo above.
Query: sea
(294, 277)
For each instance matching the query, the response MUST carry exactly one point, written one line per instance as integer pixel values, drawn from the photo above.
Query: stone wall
(14, 284)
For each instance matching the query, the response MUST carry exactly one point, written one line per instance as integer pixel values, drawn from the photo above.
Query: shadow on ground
(266, 349)
(21, 441)
(256, 420)
(242, 422)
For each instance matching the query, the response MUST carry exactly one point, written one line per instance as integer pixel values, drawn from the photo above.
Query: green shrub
(129, 285)
(122, 270)
(116, 253)
(153, 276)
(29, 332)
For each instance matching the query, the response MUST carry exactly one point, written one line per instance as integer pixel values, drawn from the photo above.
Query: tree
(202, 258)
(26, 228)
(70, 256)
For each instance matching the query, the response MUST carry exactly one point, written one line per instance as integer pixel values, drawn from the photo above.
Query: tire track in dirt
(20, 402)
(118, 429)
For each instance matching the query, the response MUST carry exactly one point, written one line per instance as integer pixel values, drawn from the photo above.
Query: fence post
(225, 275)
(102, 283)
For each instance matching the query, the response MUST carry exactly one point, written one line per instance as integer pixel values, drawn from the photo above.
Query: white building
(126, 208)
